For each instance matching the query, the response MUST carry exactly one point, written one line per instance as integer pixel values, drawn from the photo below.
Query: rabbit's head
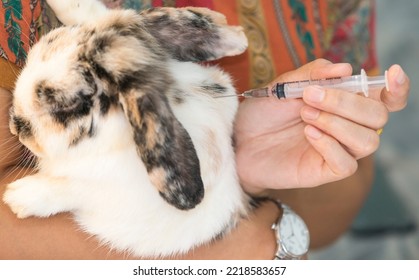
(78, 76)
(56, 95)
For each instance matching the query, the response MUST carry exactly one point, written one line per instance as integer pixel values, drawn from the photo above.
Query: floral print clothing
(18, 28)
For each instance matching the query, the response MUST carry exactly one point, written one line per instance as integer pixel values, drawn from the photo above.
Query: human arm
(276, 152)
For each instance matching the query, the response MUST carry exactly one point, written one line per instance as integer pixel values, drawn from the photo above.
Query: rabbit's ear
(130, 64)
(165, 148)
(194, 34)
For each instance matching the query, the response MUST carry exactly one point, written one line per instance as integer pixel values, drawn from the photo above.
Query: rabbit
(128, 129)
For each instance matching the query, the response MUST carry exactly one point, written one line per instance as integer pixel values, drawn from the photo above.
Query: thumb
(399, 85)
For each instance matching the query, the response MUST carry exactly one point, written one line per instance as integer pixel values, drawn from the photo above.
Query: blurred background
(388, 225)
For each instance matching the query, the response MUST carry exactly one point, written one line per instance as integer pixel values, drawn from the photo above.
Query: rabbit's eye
(73, 108)
(45, 93)
(64, 106)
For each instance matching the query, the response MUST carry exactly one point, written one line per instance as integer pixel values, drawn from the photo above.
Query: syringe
(356, 83)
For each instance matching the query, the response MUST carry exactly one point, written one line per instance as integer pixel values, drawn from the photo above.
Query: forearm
(330, 209)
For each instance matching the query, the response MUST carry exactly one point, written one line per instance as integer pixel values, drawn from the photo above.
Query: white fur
(72, 12)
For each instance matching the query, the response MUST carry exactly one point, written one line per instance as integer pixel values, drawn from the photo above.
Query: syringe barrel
(295, 89)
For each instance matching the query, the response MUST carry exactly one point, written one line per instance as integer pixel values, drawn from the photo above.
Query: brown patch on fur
(151, 135)
(157, 176)
(130, 105)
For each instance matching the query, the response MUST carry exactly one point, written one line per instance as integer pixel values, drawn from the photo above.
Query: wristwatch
(292, 236)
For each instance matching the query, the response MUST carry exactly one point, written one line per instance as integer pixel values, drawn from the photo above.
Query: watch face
(294, 234)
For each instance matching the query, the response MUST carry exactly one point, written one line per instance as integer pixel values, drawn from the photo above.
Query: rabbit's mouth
(35, 150)
(29, 159)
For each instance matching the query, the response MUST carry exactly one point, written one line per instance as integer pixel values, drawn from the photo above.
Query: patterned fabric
(18, 28)
(283, 34)
(18, 32)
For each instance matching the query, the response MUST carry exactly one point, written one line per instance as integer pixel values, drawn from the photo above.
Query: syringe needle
(229, 95)
(259, 92)
(253, 93)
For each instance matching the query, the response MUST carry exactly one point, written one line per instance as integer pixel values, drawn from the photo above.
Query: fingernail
(401, 77)
(310, 113)
(313, 132)
(314, 94)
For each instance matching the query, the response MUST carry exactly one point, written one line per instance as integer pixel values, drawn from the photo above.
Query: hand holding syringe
(356, 83)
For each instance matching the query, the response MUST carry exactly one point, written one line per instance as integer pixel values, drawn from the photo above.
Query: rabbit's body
(118, 126)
